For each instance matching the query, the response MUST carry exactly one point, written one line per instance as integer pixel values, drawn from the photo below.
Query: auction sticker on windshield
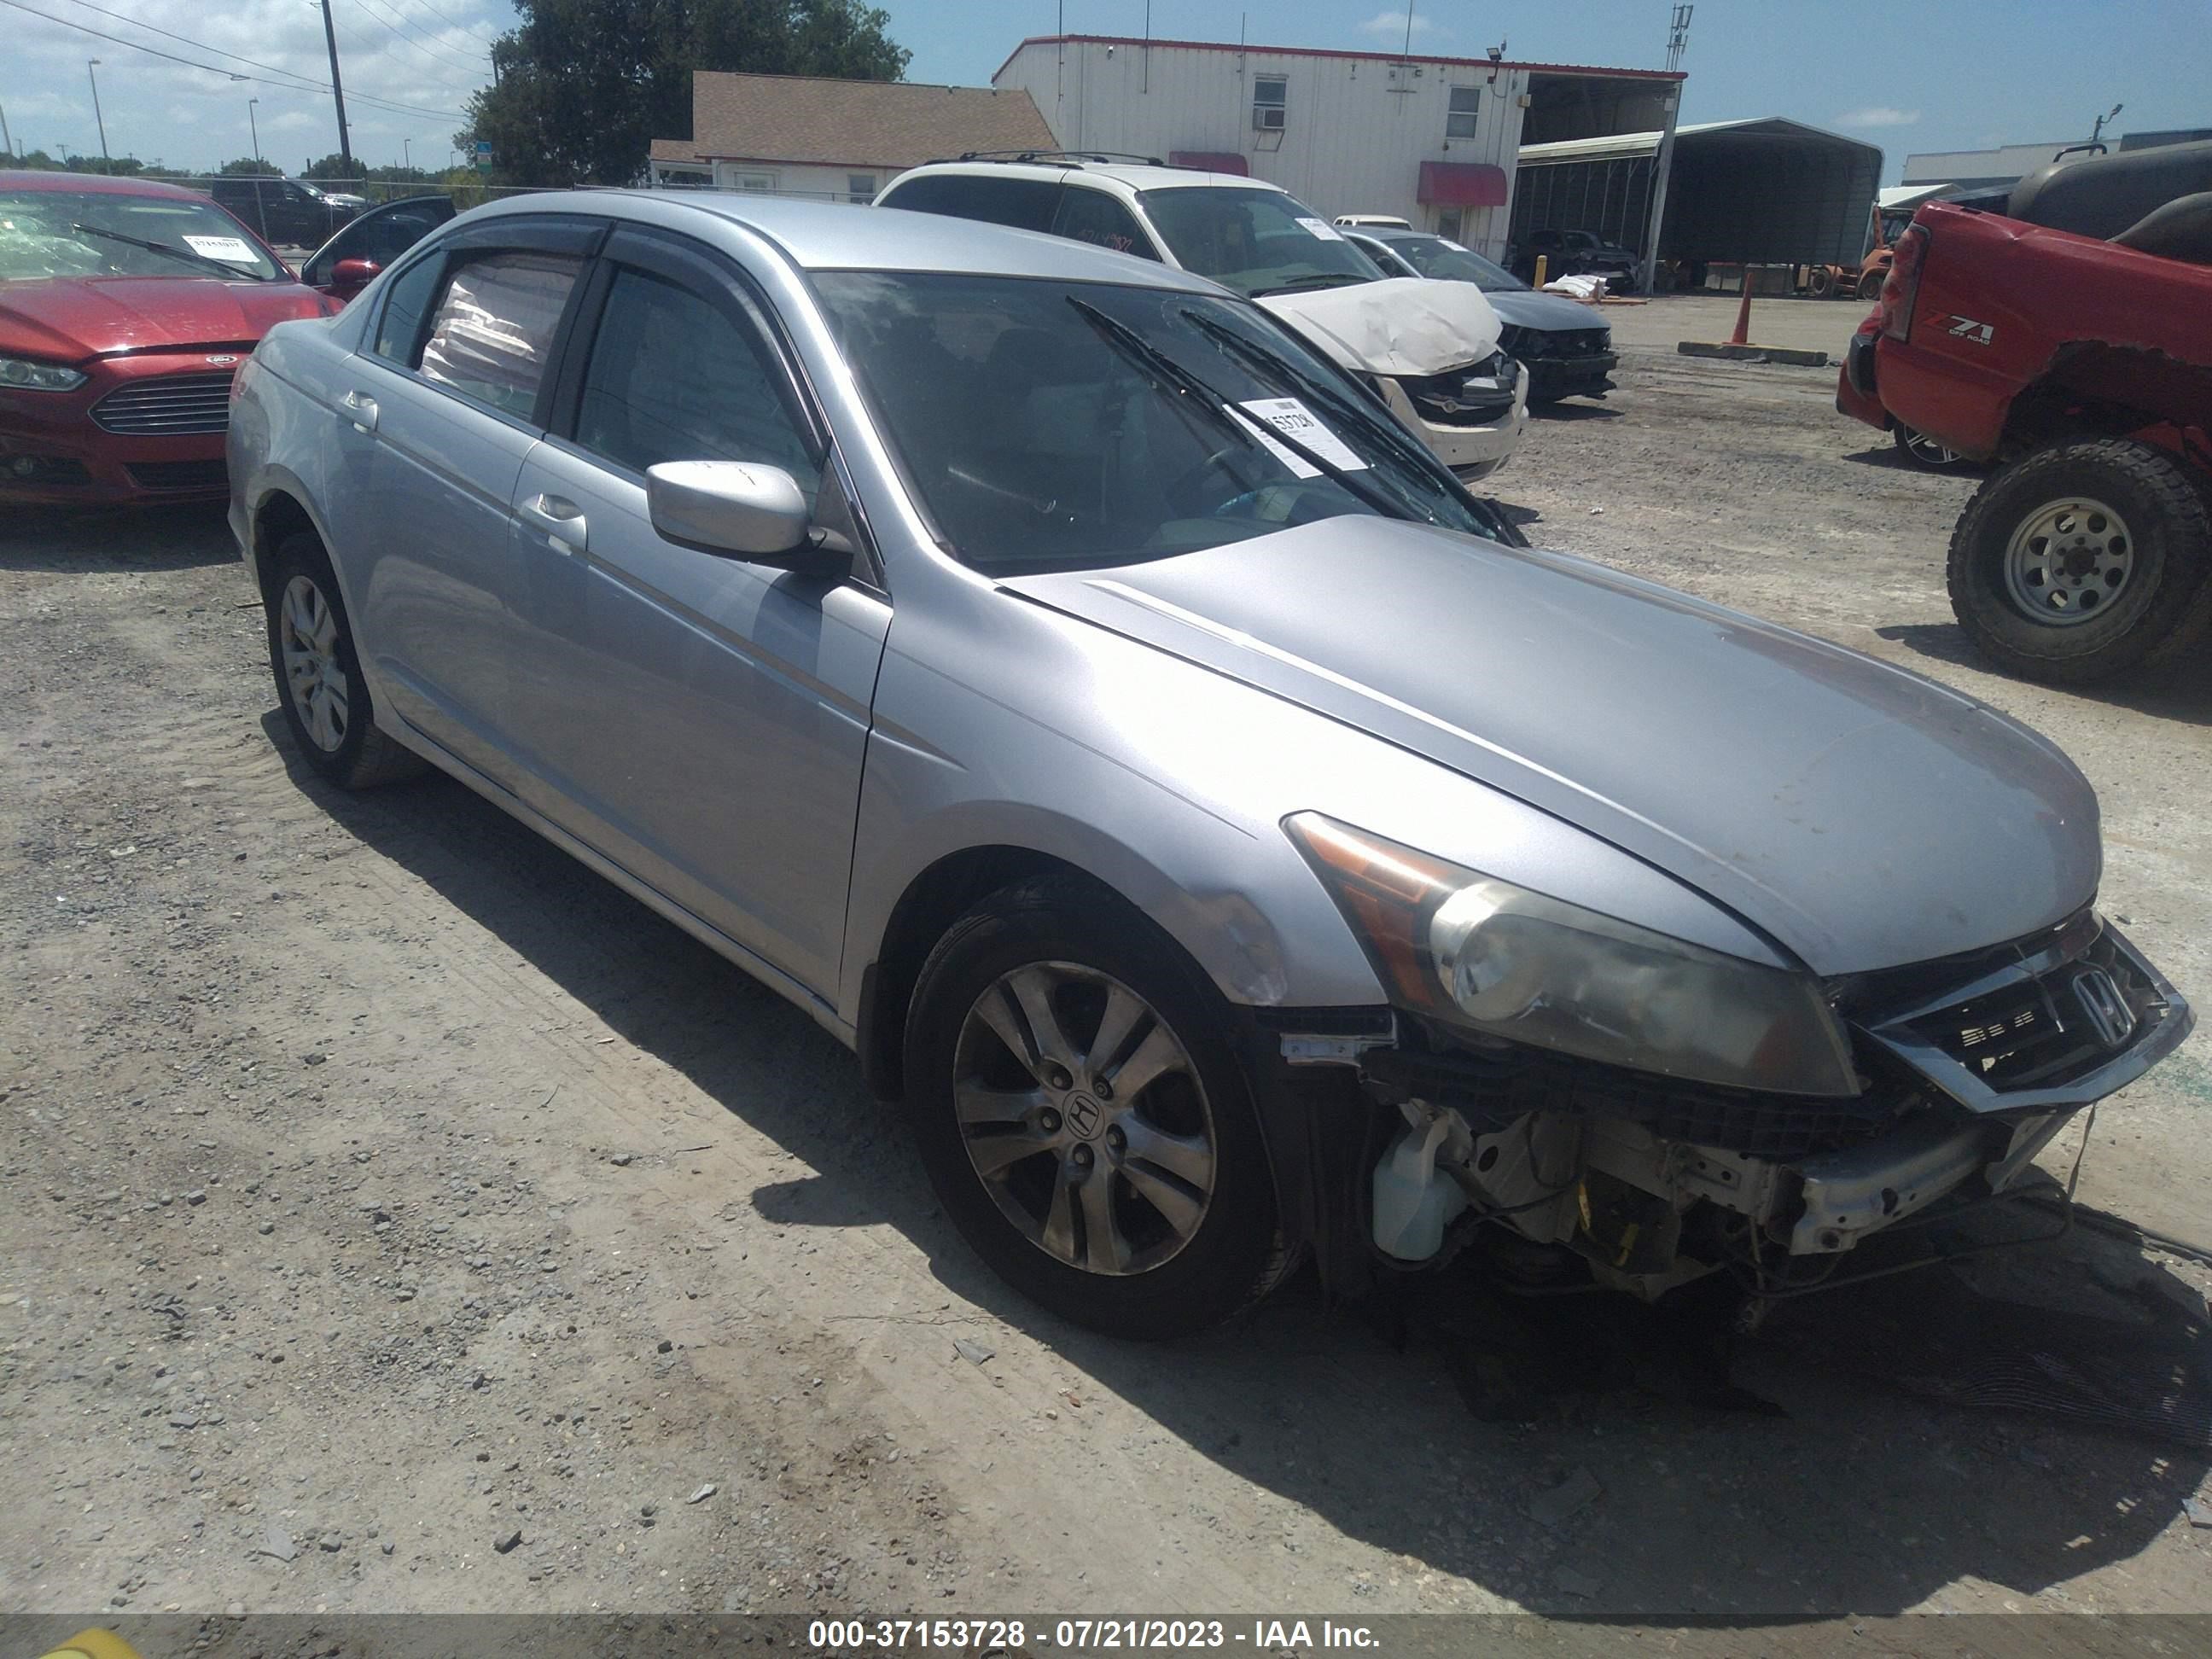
(1321, 228)
(221, 247)
(1291, 417)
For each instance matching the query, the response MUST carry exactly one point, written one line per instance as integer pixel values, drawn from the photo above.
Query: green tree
(247, 167)
(583, 87)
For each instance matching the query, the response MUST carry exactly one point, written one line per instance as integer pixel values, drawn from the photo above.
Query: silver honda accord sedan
(1227, 839)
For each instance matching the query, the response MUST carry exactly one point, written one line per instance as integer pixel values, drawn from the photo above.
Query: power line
(297, 82)
(435, 54)
(374, 48)
(453, 22)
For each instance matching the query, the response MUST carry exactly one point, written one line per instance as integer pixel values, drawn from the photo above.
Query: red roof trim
(1482, 63)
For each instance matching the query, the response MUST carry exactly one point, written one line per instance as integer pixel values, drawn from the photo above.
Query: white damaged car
(1430, 351)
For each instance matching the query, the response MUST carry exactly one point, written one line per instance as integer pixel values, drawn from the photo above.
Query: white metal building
(1433, 140)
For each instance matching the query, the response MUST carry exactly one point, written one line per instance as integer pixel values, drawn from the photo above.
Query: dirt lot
(380, 1185)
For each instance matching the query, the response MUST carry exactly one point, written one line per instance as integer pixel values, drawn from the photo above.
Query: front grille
(167, 404)
(1533, 345)
(179, 475)
(2033, 1033)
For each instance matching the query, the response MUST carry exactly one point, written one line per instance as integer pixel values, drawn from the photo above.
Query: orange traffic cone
(1742, 335)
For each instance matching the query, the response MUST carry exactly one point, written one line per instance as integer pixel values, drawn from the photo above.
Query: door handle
(361, 410)
(561, 519)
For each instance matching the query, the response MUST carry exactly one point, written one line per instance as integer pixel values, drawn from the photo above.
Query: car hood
(1861, 816)
(1399, 326)
(80, 317)
(1526, 308)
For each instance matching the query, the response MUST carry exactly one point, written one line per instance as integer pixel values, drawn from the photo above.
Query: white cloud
(1393, 23)
(1878, 115)
(195, 118)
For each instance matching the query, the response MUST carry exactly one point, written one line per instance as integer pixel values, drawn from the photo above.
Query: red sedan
(125, 308)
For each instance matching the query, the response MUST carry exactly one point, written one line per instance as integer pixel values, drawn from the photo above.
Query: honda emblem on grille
(225, 361)
(2108, 1012)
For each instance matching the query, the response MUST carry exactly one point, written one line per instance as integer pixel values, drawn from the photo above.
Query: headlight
(21, 375)
(1485, 954)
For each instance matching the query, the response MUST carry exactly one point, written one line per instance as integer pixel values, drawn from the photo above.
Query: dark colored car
(1573, 253)
(288, 211)
(125, 308)
(348, 262)
(1567, 348)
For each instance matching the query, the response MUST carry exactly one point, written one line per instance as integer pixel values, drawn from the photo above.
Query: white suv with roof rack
(1429, 349)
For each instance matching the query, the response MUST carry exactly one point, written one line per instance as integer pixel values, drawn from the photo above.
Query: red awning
(1461, 183)
(1215, 161)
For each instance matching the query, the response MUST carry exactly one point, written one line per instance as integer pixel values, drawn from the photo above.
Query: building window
(1271, 97)
(1459, 121)
(1449, 221)
(677, 178)
(759, 184)
(860, 187)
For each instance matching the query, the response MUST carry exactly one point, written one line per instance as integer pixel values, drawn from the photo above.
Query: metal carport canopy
(1765, 189)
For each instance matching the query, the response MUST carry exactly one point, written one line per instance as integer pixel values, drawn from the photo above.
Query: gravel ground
(399, 1218)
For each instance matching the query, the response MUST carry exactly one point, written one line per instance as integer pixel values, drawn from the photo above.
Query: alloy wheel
(307, 633)
(1925, 450)
(2068, 560)
(1084, 1117)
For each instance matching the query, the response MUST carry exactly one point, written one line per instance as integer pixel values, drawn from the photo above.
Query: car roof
(97, 184)
(836, 236)
(1395, 233)
(1075, 170)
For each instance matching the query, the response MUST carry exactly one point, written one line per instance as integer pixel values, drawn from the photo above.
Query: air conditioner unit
(1268, 117)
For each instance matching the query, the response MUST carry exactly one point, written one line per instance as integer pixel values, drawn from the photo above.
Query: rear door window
(1023, 203)
(494, 325)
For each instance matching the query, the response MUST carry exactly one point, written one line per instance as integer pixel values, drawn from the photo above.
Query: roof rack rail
(1072, 157)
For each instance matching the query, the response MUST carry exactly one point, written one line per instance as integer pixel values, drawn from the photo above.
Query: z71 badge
(1966, 328)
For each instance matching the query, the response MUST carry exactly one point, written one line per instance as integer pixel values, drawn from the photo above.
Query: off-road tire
(1236, 1255)
(2166, 607)
(364, 757)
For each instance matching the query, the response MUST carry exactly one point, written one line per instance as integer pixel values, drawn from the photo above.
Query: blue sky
(1940, 74)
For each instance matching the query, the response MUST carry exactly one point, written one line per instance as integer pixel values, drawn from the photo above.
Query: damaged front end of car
(1664, 1112)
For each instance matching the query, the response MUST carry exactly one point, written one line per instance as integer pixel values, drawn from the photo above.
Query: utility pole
(90, 64)
(6, 142)
(2098, 131)
(1678, 42)
(253, 126)
(338, 91)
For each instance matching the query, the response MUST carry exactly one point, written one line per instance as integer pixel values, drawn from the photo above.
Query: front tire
(317, 673)
(1084, 1118)
(2083, 560)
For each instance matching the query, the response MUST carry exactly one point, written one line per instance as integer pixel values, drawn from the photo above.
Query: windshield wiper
(188, 255)
(1135, 345)
(1313, 279)
(1379, 424)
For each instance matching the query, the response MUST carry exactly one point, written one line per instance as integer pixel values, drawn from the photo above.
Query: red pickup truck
(2069, 338)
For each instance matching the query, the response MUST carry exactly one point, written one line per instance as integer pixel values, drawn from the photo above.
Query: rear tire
(2083, 560)
(317, 673)
(1051, 1179)
(1923, 451)
(1870, 284)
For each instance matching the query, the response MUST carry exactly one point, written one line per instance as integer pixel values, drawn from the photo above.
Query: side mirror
(750, 511)
(354, 275)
